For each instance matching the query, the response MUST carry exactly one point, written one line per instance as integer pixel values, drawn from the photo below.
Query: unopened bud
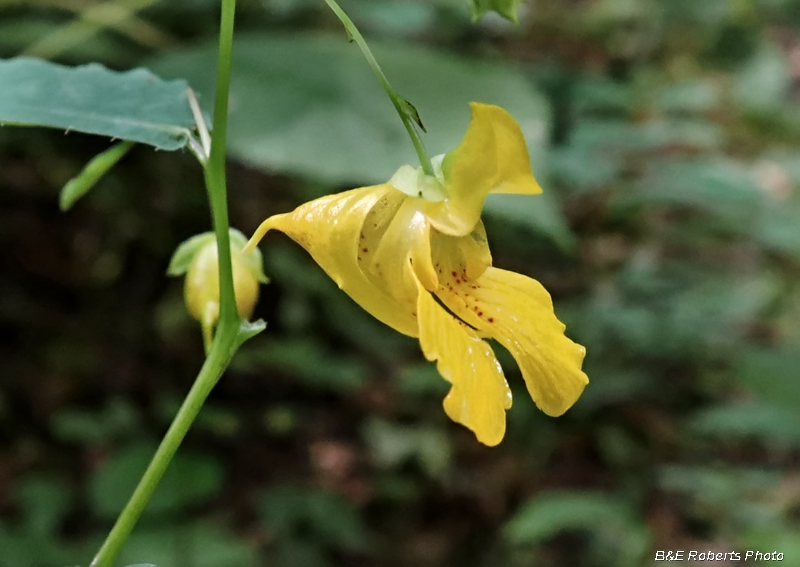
(202, 284)
(197, 257)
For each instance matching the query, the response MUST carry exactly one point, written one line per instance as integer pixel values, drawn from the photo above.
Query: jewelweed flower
(413, 252)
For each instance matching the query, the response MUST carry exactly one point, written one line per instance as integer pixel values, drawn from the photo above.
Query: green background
(666, 134)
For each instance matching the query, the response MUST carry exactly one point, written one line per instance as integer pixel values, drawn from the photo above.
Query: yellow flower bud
(202, 285)
(197, 258)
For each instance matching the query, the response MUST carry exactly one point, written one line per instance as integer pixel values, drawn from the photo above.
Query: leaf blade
(134, 105)
(314, 108)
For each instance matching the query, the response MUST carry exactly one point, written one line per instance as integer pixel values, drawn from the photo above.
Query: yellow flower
(413, 253)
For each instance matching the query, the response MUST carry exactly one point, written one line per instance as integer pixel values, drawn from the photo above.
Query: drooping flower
(413, 253)
(198, 258)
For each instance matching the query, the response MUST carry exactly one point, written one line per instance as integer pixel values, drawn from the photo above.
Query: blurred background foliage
(667, 136)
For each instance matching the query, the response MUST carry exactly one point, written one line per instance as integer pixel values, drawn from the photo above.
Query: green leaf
(603, 14)
(394, 17)
(613, 136)
(716, 483)
(721, 187)
(600, 94)
(79, 185)
(134, 105)
(290, 511)
(422, 379)
(763, 421)
(785, 539)
(612, 386)
(689, 97)
(299, 552)
(307, 360)
(190, 480)
(583, 168)
(308, 104)
(771, 373)
(541, 213)
(610, 520)
(717, 312)
(198, 545)
(506, 8)
(548, 514)
(723, 492)
(45, 502)
(777, 228)
(117, 419)
(764, 82)
(391, 445)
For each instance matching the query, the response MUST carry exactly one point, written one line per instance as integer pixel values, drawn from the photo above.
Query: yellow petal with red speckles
(517, 311)
(479, 396)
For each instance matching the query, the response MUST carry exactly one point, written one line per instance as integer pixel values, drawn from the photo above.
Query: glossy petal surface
(479, 395)
(335, 230)
(404, 246)
(517, 311)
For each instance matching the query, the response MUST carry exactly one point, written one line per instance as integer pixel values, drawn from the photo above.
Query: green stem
(401, 105)
(215, 172)
(212, 369)
(230, 332)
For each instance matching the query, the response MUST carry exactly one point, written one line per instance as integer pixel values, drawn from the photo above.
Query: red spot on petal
(454, 274)
(365, 249)
(480, 313)
(491, 319)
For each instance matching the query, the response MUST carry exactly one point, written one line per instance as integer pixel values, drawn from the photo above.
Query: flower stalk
(231, 331)
(406, 111)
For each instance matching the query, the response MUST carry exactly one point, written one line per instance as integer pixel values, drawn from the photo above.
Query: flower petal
(407, 237)
(511, 154)
(517, 311)
(468, 255)
(336, 230)
(492, 157)
(479, 395)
